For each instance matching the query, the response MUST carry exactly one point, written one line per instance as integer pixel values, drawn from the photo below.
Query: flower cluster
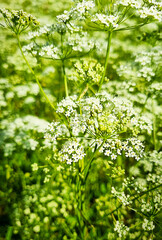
(18, 21)
(34, 167)
(80, 42)
(133, 148)
(121, 229)
(19, 133)
(109, 21)
(42, 30)
(79, 11)
(155, 89)
(87, 70)
(25, 90)
(148, 225)
(47, 51)
(153, 12)
(132, 3)
(151, 164)
(142, 71)
(145, 9)
(63, 18)
(154, 178)
(145, 60)
(125, 199)
(103, 121)
(72, 151)
(152, 207)
(73, 42)
(56, 130)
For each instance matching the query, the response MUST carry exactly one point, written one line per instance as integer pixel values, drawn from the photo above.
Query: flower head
(18, 21)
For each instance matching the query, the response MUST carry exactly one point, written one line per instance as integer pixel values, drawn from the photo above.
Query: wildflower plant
(18, 21)
(100, 178)
(109, 124)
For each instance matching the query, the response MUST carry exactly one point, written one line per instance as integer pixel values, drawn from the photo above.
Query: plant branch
(65, 79)
(107, 58)
(84, 92)
(41, 89)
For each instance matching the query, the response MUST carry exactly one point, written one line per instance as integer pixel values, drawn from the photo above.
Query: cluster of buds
(18, 21)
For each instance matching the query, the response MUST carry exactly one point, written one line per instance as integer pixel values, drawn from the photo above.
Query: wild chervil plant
(95, 172)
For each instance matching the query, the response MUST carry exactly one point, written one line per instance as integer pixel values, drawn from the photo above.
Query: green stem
(154, 126)
(80, 200)
(86, 173)
(42, 91)
(131, 27)
(9, 233)
(65, 79)
(63, 67)
(98, 5)
(154, 133)
(107, 58)
(84, 92)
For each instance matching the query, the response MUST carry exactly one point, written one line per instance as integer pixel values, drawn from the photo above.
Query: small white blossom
(148, 225)
(107, 20)
(121, 229)
(34, 166)
(47, 178)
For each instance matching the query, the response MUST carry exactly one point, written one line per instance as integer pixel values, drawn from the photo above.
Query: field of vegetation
(80, 120)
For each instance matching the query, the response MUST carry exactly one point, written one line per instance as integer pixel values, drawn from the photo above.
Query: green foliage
(80, 114)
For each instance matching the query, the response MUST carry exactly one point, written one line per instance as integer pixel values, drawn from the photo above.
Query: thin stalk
(63, 67)
(84, 92)
(98, 3)
(90, 162)
(9, 233)
(107, 58)
(41, 89)
(154, 126)
(92, 90)
(131, 27)
(65, 79)
(81, 181)
(124, 14)
(80, 191)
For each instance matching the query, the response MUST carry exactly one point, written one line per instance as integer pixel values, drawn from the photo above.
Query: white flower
(148, 225)
(150, 12)
(46, 170)
(99, 118)
(42, 30)
(124, 2)
(121, 229)
(113, 156)
(108, 20)
(47, 178)
(72, 151)
(107, 152)
(64, 17)
(34, 167)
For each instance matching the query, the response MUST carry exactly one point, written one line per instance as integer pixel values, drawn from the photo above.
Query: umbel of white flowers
(106, 122)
